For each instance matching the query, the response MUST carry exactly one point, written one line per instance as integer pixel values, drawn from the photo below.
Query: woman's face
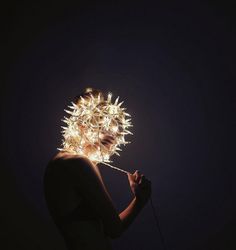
(107, 141)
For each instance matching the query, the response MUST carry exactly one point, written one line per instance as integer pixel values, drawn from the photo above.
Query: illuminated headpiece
(91, 118)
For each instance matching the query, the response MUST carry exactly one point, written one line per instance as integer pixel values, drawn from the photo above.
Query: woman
(80, 204)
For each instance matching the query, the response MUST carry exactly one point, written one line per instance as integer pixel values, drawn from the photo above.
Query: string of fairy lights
(90, 120)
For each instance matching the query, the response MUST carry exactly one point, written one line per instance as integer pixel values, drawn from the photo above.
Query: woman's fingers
(140, 178)
(137, 176)
(144, 182)
(140, 186)
(131, 177)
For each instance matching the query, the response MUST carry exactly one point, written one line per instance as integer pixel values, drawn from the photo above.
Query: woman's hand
(140, 187)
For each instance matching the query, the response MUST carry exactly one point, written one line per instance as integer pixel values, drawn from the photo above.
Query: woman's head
(106, 138)
(87, 95)
(96, 127)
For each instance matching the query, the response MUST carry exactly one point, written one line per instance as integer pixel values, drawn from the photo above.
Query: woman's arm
(86, 177)
(141, 189)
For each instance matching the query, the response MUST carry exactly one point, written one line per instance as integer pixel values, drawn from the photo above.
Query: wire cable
(152, 206)
(158, 224)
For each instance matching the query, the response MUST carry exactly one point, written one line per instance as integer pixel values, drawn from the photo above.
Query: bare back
(77, 220)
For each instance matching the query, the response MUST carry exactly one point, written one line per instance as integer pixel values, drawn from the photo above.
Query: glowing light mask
(90, 121)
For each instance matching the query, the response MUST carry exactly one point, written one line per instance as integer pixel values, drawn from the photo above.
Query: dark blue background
(174, 67)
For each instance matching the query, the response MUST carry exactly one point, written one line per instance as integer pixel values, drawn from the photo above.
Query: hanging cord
(158, 224)
(152, 206)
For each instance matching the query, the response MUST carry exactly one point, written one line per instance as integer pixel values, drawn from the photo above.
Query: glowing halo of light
(91, 119)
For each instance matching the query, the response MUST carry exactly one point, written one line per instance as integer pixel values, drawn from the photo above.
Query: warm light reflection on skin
(107, 142)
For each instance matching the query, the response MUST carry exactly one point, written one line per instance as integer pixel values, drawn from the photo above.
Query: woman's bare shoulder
(70, 164)
(66, 157)
(77, 164)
